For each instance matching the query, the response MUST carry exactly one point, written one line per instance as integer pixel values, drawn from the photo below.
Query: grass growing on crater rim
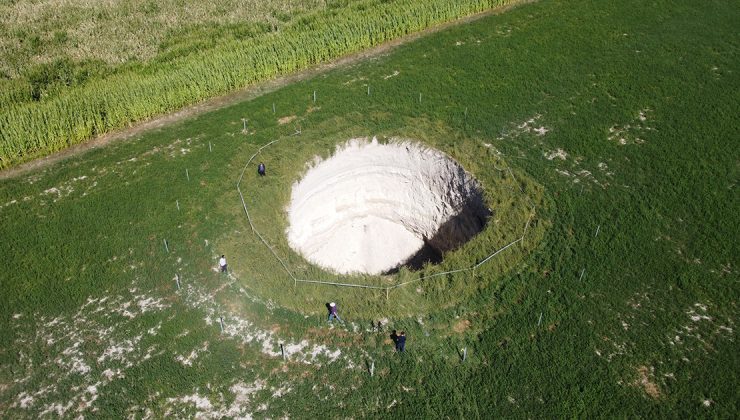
(624, 113)
(514, 200)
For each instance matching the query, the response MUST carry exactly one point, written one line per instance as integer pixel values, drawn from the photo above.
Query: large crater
(372, 208)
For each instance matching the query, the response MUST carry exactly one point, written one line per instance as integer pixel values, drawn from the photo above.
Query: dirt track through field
(244, 94)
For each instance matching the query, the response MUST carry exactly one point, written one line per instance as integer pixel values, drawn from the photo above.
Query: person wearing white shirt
(222, 263)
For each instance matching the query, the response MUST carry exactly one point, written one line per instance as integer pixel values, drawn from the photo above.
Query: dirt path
(244, 94)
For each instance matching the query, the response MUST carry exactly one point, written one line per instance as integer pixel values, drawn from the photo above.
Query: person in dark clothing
(261, 169)
(401, 342)
(333, 312)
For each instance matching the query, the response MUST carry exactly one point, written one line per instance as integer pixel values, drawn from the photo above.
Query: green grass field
(619, 122)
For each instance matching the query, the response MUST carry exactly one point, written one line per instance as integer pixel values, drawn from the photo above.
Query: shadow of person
(394, 337)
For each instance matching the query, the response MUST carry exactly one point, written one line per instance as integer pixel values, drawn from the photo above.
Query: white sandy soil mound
(371, 207)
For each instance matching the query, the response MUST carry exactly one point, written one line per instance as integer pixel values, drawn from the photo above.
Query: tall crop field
(31, 129)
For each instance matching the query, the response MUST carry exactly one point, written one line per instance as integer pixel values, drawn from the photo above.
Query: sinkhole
(372, 208)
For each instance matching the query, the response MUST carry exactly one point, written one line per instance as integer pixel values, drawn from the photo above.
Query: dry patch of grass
(461, 326)
(286, 120)
(646, 381)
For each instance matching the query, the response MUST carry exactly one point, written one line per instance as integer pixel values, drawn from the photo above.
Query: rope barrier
(343, 284)
(249, 218)
(386, 288)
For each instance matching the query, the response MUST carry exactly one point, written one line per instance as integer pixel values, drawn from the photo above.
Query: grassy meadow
(618, 120)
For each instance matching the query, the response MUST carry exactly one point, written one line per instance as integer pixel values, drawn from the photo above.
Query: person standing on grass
(222, 263)
(261, 169)
(333, 312)
(401, 342)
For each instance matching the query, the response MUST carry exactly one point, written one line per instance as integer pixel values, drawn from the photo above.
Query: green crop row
(36, 129)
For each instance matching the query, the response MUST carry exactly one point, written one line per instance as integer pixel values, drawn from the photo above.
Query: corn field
(35, 129)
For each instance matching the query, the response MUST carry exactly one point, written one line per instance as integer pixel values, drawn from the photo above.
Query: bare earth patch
(559, 154)
(630, 133)
(529, 126)
(461, 326)
(286, 120)
(646, 382)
